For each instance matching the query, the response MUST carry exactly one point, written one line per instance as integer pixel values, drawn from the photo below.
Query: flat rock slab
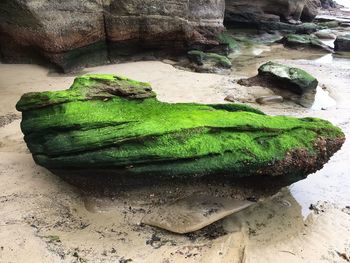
(193, 213)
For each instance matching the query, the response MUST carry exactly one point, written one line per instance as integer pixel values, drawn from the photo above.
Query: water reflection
(322, 100)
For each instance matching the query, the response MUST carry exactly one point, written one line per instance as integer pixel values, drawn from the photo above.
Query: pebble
(230, 98)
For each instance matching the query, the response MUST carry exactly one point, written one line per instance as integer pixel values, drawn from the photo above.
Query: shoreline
(46, 218)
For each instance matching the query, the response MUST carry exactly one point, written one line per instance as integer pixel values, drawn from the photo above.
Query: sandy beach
(44, 219)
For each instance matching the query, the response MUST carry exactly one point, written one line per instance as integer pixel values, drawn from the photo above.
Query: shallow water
(331, 184)
(345, 3)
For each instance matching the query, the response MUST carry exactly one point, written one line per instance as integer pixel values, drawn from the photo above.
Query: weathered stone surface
(342, 43)
(286, 10)
(305, 28)
(256, 11)
(78, 33)
(305, 41)
(310, 10)
(282, 77)
(326, 34)
(326, 4)
(295, 79)
(109, 122)
(200, 57)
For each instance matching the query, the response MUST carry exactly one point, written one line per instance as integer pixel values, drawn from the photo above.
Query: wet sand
(43, 219)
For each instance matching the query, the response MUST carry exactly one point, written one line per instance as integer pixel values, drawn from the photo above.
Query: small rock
(325, 34)
(289, 78)
(305, 41)
(342, 43)
(269, 99)
(168, 61)
(230, 98)
(199, 57)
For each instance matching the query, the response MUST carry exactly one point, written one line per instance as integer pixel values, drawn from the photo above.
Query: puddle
(328, 42)
(330, 184)
(323, 100)
(256, 49)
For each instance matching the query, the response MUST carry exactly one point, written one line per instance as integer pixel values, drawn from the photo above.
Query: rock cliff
(79, 33)
(257, 11)
(72, 34)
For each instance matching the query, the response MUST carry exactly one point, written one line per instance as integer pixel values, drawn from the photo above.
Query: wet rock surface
(305, 41)
(100, 123)
(200, 58)
(255, 11)
(80, 33)
(342, 43)
(283, 77)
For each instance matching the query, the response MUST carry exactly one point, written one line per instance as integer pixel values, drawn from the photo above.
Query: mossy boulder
(200, 57)
(110, 122)
(305, 41)
(342, 43)
(228, 40)
(293, 79)
(304, 28)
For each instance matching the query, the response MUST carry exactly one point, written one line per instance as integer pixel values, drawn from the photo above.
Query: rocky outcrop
(326, 4)
(310, 10)
(109, 122)
(342, 43)
(294, 79)
(305, 41)
(286, 28)
(274, 75)
(256, 11)
(77, 33)
(200, 58)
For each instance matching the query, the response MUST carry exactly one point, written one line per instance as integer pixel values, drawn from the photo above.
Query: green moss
(295, 79)
(199, 57)
(106, 86)
(232, 43)
(74, 129)
(329, 24)
(295, 40)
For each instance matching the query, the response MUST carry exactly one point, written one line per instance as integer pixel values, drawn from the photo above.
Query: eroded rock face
(342, 43)
(310, 10)
(305, 41)
(255, 11)
(109, 122)
(68, 33)
(294, 79)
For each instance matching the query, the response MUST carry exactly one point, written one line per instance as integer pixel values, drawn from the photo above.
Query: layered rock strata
(108, 122)
(70, 34)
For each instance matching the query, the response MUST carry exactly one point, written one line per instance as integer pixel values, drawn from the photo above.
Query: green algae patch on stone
(199, 57)
(229, 40)
(105, 121)
(292, 78)
(88, 87)
(305, 41)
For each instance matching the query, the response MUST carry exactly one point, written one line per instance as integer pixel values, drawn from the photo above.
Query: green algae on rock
(199, 57)
(294, 79)
(110, 122)
(281, 77)
(305, 41)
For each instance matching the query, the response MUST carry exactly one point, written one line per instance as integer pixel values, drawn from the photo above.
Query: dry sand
(43, 219)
